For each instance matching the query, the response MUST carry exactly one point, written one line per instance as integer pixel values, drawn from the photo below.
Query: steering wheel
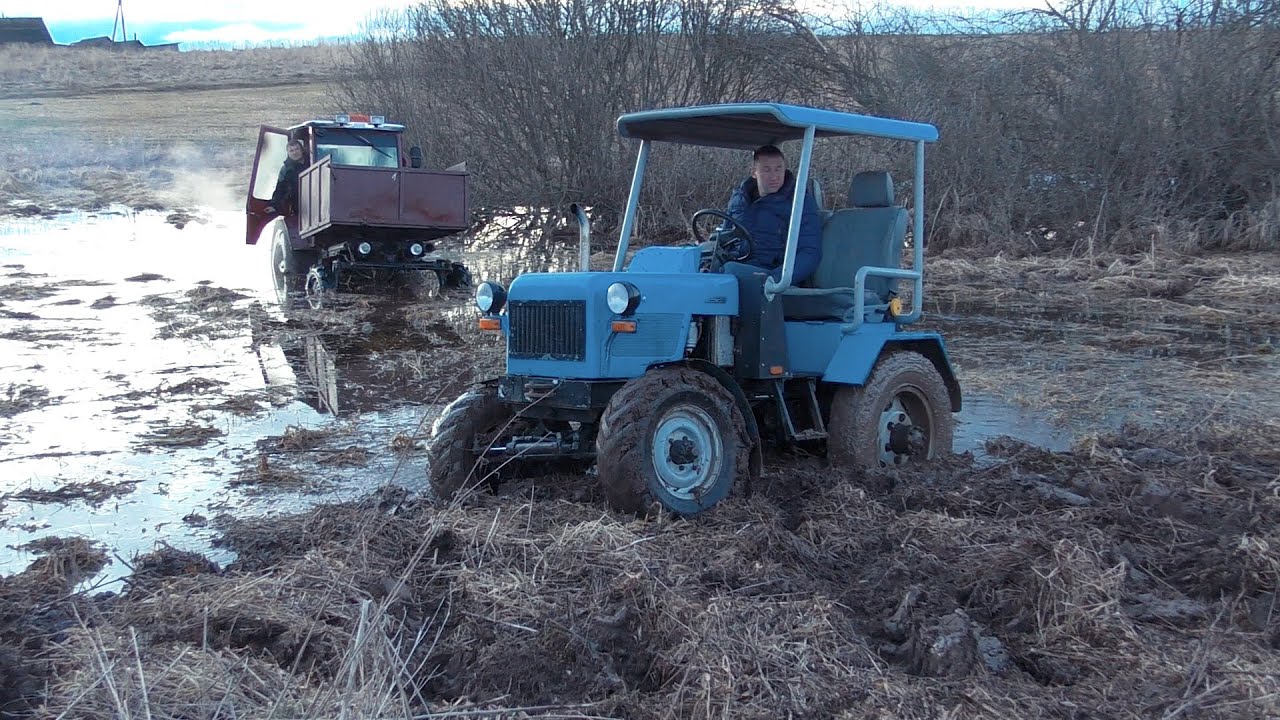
(735, 238)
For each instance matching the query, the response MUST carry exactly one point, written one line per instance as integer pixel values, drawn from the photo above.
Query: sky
(253, 22)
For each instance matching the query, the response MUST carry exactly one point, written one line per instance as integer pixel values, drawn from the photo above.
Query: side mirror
(415, 157)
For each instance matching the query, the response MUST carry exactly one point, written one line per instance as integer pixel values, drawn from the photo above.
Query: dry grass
(1095, 342)
(955, 591)
(38, 72)
(91, 127)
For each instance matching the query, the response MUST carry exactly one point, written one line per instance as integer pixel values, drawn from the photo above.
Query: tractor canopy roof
(353, 121)
(750, 125)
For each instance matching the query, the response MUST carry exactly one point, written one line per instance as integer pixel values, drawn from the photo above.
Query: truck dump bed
(333, 196)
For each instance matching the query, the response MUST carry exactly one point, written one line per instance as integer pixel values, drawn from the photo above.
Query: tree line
(1099, 124)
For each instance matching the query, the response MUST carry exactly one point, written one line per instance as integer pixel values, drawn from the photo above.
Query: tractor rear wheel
(902, 414)
(452, 463)
(674, 436)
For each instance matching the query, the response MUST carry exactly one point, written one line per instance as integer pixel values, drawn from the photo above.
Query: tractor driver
(285, 198)
(762, 205)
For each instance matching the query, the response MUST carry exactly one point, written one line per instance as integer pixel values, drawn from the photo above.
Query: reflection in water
(366, 365)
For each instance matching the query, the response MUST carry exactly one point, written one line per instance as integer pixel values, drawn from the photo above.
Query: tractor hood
(560, 324)
(687, 294)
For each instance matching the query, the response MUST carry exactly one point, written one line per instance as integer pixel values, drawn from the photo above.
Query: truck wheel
(675, 436)
(318, 290)
(476, 416)
(902, 414)
(282, 258)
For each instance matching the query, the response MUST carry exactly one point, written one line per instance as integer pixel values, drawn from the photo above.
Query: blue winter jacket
(767, 217)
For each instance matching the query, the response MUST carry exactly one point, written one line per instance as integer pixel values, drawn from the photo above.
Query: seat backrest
(815, 190)
(868, 233)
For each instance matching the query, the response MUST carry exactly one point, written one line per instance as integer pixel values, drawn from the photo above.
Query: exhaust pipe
(584, 237)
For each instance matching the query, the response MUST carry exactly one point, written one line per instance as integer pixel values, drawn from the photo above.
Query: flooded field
(210, 499)
(150, 373)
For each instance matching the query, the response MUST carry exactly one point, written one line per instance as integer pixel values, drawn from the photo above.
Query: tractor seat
(868, 233)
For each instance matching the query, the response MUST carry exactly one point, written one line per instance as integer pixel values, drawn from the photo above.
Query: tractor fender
(857, 354)
(744, 406)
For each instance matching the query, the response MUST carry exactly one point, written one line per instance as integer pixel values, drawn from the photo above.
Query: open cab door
(271, 155)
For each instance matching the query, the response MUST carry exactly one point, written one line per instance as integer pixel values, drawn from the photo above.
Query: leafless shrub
(1106, 124)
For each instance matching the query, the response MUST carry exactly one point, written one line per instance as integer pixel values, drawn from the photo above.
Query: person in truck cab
(762, 204)
(284, 199)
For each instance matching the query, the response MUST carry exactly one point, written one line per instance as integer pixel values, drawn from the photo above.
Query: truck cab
(364, 204)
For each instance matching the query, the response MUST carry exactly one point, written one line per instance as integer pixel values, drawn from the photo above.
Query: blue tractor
(672, 375)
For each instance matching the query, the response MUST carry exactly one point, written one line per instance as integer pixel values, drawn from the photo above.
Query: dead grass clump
(299, 616)
(23, 398)
(145, 277)
(1076, 595)
(188, 435)
(299, 438)
(103, 675)
(264, 476)
(22, 291)
(208, 312)
(351, 456)
(64, 561)
(94, 492)
(243, 405)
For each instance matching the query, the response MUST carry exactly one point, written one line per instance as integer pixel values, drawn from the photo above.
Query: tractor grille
(547, 329)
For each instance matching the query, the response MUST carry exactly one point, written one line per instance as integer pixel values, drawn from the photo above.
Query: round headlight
(622, 298)
(490, 297)
(364, 248)
(415, 249)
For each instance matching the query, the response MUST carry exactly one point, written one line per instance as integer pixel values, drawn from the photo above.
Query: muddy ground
(211, 507)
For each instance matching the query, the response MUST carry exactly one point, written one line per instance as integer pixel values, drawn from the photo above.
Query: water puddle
(152, 384)
(985, 416)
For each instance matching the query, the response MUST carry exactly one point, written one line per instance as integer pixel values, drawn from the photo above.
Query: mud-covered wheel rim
(901, 415)
(687, 452)
(905, 429)
(315, 290)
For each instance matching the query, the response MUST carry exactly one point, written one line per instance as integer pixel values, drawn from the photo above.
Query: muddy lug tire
(854, 429)
(630, 422)
(451, 464)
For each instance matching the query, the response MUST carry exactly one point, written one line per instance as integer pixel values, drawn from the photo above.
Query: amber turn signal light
(490, 323)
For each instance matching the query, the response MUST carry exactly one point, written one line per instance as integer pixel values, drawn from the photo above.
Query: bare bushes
(528, 91)
(1103, 124)
(1094, 124)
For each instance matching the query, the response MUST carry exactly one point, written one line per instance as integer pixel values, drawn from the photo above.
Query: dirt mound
(1137, 573)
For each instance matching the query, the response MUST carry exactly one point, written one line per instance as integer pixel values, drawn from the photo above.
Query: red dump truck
(364, 206)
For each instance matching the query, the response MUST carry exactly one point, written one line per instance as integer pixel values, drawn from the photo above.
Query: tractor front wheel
(902, 414)
(674, 436)
(477, 416)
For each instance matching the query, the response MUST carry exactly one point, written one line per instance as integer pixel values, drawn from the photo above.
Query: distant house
(24, 30)
(106, 42)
